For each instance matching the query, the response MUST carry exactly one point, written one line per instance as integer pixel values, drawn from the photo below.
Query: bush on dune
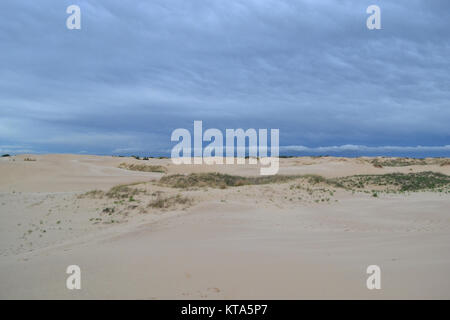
(142, 167)
(219, 180)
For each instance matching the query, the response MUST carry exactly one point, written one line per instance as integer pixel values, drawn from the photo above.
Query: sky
(137, 70)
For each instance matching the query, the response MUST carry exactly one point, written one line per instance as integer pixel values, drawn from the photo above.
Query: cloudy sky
(137, 70)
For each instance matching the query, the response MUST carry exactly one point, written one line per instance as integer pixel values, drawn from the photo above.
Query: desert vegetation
(218, 180)
(404, 162)
(165, 202)
(391, 182)
(420, 181)
(142, 167)
(121, 200)
(178, 191)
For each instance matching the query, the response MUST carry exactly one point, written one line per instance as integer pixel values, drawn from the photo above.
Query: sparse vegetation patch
(420, 181)
(162, 202)
(403, 162)
(142, 167)
(218, 180)
(93, 194)
(123, 191)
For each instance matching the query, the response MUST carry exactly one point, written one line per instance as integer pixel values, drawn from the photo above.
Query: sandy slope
(245, 242)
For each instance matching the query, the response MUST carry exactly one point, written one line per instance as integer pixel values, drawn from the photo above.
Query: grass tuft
(93, 194)
(142, 167)
(166, 202)
(123, 191)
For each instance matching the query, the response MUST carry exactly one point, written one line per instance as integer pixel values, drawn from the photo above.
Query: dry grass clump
(403, 162)
(390, 182)
(397, 162)
(162, 202)
(123, 191)
(93, 194)
(315, 179)
(218, 180)
(142, 167)
(418, 181)
(445, 163)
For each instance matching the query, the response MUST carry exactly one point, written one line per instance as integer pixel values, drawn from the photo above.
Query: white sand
(258, 242)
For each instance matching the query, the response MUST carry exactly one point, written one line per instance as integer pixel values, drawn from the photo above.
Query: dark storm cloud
(139, 69)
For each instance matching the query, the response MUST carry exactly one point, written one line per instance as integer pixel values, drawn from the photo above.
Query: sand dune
(279, 240)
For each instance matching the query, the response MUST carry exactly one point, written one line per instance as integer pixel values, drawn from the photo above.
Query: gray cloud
(139, 69)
